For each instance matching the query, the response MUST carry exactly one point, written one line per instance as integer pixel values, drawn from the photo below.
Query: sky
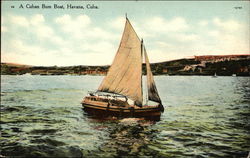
(170, 30)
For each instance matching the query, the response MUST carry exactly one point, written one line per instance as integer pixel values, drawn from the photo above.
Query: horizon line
(188, 57)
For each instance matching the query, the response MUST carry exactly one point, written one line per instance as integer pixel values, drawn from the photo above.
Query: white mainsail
(125, 74)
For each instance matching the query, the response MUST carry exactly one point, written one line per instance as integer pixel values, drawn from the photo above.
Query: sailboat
(215, 75)
(120, 93)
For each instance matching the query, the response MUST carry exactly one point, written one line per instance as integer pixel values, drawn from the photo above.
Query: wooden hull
(102, 110)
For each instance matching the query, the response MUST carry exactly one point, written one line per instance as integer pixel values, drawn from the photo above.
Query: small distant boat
(234, 75)
(214, 75)
(27, 74)
(121, 93)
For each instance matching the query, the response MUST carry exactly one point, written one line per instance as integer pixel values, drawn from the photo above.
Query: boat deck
(113, 103)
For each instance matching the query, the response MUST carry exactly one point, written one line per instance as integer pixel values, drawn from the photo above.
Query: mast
(141, 68)
(145, 82)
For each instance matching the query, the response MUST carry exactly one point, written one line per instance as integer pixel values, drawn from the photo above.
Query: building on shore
(218, 58)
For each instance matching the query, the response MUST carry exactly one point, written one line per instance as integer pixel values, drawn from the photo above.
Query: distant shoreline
(227, 65)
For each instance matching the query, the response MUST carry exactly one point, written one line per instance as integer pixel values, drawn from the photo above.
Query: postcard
(125, 78)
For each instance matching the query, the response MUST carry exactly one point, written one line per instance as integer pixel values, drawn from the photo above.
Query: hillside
(226, 65)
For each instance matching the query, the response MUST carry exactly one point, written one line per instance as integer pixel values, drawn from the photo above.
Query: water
(41, 116)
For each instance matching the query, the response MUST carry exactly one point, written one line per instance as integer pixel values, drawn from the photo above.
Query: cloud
(44, 31)
(187, 37)
(117, 23)
(39, 27)
(203, 23)
(37, 20)
(162, 44)
(34, 24)
(81, 28)
(162, 25)
(4, 29)
(82, 44)
(22, 53)
(2, 20)
(19, 20)
(214, 33)
(73, 25)
(229, 25)
(23, 48)
(101, 47)
(87, 38)
(218, 37)
(161, 54)
(229, 36)
(77, 40)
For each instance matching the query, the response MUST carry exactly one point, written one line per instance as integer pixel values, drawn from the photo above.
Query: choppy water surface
(204, 117)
